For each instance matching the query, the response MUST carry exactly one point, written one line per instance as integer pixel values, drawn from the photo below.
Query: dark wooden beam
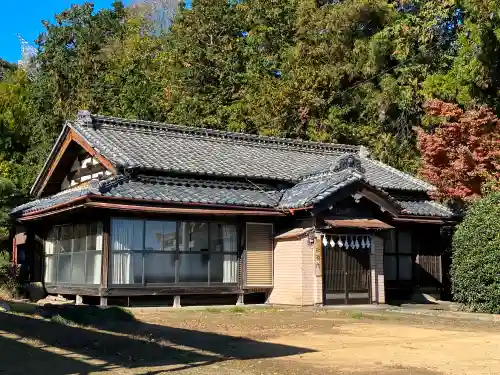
(145, 202)
(72, 290)
(54, 210)
(83, 143)
(182, 210)
(381, 201)
(421, 219)
(152, 290)
(54, 164)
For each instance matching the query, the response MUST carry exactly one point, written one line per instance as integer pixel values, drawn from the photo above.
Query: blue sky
(25, 16)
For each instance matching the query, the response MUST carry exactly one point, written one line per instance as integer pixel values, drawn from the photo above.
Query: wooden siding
(428, 270)
(259, 254)
(308, 274)
(295, 280)
(377, 270)
(288, 275)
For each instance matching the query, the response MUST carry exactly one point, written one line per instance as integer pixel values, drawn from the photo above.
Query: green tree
(203, 66)
(5, 67)
(475, 267)
(472, 75)
(73, 63)
(19, 139)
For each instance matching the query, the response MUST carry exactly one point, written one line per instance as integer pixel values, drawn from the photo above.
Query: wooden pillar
(14, 251)
(105, 260)
(377, 266)
(105, 253)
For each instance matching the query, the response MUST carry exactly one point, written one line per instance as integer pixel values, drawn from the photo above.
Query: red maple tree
(462, 153)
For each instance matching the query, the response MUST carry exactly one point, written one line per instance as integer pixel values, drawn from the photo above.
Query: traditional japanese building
(130, 208)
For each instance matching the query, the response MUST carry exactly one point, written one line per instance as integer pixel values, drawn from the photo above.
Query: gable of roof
(67, 142)
(163, 148)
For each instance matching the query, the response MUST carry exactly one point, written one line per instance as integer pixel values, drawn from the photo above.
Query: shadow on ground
(116, 340)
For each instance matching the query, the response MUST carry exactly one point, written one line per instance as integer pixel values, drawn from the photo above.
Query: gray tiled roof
(172, 148)
(53, 200)
(315, 188)
(424, 208)
(167, 189)
(183, 190)
(176, 164)
(308, 192)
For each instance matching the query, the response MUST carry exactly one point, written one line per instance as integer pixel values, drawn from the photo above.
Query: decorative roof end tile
(349, 161)
(364, 152)
(84, 117)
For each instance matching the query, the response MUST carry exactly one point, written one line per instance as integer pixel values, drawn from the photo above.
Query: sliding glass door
(173, 252)
(73, 254)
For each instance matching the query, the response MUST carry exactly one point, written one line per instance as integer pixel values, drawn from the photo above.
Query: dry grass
(243, 342)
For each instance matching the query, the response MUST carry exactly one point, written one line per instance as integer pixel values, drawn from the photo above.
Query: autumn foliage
(462, 153)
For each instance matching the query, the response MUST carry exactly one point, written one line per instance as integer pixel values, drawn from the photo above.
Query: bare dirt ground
(258, 341)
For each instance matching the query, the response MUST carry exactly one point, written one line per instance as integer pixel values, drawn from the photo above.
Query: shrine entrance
(346, 269)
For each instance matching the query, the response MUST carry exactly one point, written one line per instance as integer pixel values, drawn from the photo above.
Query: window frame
(177, 282)
(397, 255)
(56, 253)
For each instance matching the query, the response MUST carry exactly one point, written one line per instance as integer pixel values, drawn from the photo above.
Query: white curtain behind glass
(126, 235)
(230, 266)
(97, 256)
(50, 261)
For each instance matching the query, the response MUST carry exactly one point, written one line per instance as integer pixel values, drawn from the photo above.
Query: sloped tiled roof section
(185, 190)
(308, 192)
(165, 190)
(424, 208)
(315, 188)
(172, 148)
(54, 200)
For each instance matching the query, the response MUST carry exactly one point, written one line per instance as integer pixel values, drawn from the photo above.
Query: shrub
(9, 278)
(475, 270)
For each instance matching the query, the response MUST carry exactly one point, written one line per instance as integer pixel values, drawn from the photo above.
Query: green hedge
(475, 270)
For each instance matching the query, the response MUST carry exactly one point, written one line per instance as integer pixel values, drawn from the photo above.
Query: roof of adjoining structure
(177, 164)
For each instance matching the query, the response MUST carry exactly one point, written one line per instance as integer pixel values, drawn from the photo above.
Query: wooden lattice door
(346, 273)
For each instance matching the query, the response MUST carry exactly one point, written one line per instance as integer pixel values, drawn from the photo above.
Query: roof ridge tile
(184, 181)
(98, 120)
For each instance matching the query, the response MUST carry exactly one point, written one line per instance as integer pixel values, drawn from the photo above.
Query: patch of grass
(88, 315)
(213, 310)
(237, 309)
(5, 292)
(271, 309)
(61, 320)
(22, 308)
(356, 315)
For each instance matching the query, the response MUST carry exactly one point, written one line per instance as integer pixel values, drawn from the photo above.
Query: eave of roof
(358, 223)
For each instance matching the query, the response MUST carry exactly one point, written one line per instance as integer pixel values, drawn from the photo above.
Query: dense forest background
(352, 71)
